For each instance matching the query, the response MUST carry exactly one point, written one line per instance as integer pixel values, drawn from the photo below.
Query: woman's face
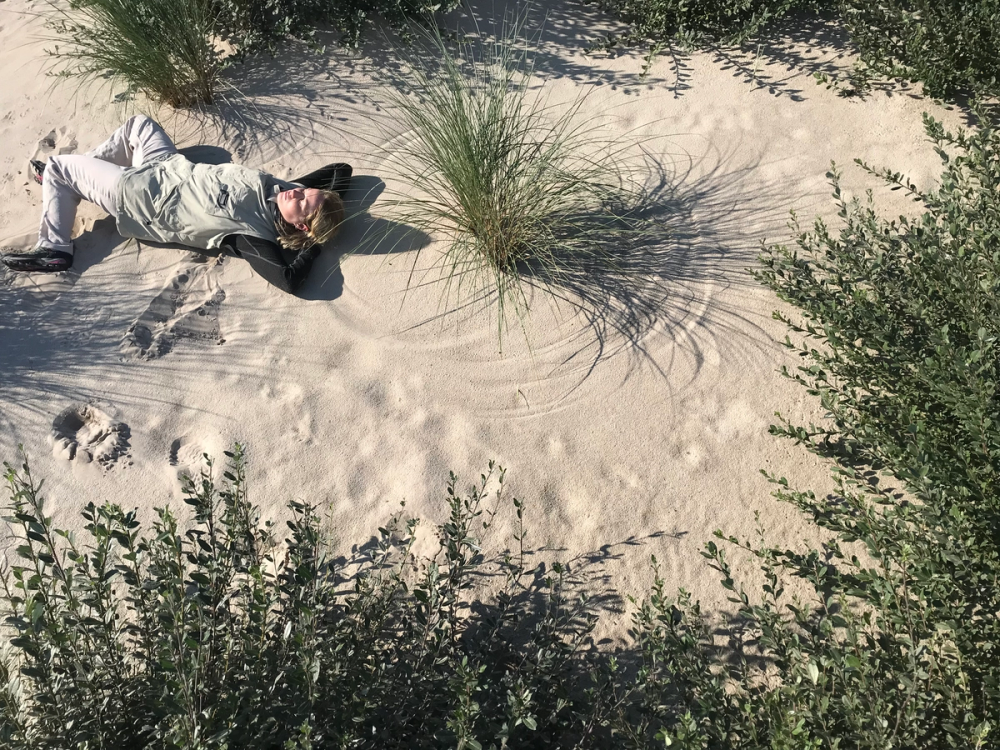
(298, 204)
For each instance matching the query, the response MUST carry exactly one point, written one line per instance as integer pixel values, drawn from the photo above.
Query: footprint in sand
(86, 434)
(188, 307)
(57, 143)
(187, 455)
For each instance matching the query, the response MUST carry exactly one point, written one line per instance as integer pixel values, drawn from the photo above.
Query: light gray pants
(94, 177)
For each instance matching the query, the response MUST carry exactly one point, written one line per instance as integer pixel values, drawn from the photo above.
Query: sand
(360, 394)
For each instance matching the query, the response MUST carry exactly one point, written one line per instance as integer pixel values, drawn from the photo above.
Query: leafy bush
(215, 636)
(523, 193)
(950, 47)
(695, 24)
(894, 642)
(907, 316)
(255, 25)
(163, 48)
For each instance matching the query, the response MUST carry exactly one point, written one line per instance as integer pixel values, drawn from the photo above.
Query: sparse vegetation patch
(524, 193)
(163, 48)
(949, 47)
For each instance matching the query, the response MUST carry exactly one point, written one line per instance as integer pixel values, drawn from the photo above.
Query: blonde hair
(323, 224)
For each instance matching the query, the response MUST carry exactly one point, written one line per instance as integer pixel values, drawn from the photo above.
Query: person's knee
(137, 121)
(138, 128)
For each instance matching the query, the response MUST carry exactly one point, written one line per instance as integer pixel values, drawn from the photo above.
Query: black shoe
(37, 169)
(41, 259)
(336, 177)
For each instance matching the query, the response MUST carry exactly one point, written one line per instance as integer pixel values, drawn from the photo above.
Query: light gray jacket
(198, 205)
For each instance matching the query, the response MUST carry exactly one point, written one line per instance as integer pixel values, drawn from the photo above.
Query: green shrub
(949, 46)
(163, 48)
(255, 25)
(523, 193)
(906, 314)
(657, 23)
(894, 642)
(214, 636)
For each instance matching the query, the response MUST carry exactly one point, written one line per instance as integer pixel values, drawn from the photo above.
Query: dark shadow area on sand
(512, 598)
(783, 60)
(284, 103)
(590, 574)
(801, 47)
(571, 43)
(360, 232)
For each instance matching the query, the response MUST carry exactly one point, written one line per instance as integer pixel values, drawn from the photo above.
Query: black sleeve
(268, 260)
(335, 177)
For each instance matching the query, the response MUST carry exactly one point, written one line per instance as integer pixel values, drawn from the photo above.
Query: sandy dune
(359, 396)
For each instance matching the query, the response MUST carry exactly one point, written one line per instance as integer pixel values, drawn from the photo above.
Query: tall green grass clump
(162, 48)
(175, 51)
(523, 192)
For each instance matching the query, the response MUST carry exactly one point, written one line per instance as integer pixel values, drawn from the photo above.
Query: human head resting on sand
(308, 217)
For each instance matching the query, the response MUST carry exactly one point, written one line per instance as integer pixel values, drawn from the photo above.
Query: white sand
(360, 398)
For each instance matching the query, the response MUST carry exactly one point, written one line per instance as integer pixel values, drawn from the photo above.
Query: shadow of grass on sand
(669, 283)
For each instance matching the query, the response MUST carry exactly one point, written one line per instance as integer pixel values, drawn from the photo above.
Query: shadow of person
(364, 190)
(360, 233)
(326, 279)
(205, 154)
(364, 233)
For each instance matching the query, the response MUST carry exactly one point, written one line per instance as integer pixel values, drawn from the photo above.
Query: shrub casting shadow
(563, 30)
(804, 44)
(420, 622)
(586, 584)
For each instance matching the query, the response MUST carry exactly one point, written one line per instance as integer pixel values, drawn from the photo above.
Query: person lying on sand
(155, 194)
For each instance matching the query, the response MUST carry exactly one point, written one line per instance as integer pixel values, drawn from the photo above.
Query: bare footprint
(188, 307)
(86, 434)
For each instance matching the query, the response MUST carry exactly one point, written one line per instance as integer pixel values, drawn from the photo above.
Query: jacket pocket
(161, 206)
(226, 201)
